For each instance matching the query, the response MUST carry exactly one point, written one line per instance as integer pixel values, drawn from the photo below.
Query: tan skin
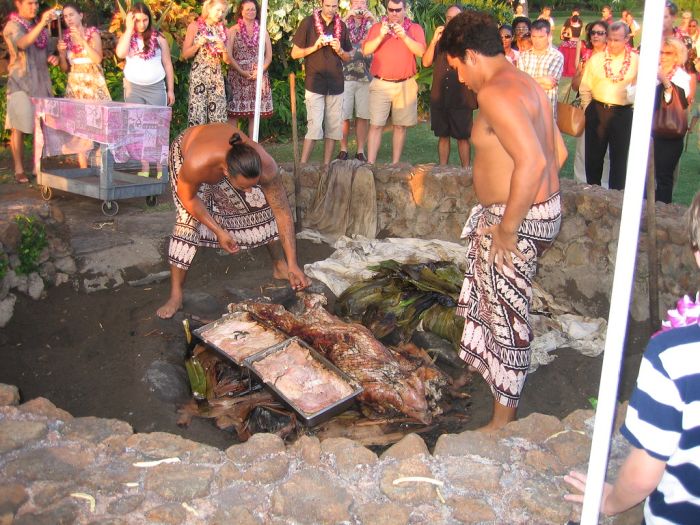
(518, 155)
(204, 151)
(28, 9)
(599, 40)
(248, 14)
(192, 44)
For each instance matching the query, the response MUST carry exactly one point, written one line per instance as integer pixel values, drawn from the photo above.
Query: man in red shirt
(395, 42)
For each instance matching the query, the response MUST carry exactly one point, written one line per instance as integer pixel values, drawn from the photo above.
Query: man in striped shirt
(663, 425)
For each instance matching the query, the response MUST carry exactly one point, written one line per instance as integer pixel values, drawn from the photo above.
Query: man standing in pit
(517, 159)
(395, 42)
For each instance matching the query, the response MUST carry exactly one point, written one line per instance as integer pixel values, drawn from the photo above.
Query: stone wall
(428, 201)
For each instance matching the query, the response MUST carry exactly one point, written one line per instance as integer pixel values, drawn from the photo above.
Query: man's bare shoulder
(506, 89)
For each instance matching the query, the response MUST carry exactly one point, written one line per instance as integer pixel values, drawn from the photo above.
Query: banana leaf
(356, 298)
(443, 321)
(197, 378)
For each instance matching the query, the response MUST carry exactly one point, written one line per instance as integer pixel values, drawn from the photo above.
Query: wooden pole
(295, 145)
(652, 255)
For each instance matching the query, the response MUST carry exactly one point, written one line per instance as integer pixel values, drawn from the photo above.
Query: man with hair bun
(518, 154)
(227, 195)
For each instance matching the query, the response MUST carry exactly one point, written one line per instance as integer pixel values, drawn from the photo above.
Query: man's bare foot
(491, 427)
(280, 270)
(170, 308)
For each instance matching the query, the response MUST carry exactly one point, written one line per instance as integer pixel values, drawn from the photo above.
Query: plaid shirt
(548, 64)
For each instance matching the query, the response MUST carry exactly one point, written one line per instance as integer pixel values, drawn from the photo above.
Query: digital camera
(327, 39)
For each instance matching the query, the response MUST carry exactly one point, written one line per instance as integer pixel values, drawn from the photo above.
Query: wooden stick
(295, 145)
(652, 255)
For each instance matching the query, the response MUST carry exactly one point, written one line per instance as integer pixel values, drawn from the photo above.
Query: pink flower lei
(357, 30)
(74, 48)
(249, 41)
(686, 313)
(406, 24)
(42, 40)
(318, 23)
(214, 33)
(134, 46)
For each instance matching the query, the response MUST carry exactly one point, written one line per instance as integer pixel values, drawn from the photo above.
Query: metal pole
(295, 145)
(262, 39)
(624, 261)
(652, 255)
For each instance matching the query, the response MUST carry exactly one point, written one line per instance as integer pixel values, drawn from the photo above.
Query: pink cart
(125, 136)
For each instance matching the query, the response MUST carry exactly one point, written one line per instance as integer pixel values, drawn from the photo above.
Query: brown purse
(570, 116)
(670, 118)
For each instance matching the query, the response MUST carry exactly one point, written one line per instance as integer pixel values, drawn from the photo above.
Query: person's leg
(251, 126)
(332, 125)
(502, 415)
(174, 302)
(374, 142)
(16, 146)
(620, 132)
(307, 149)
(464, 151)
(315, 106)
(667, 152)
(348, 108)
(279, 263)
(344, 140)
(328, 148)
(596, 142)
(361, 127)
(379, 109)
(444, 150)
(233, 121)
(397, 143)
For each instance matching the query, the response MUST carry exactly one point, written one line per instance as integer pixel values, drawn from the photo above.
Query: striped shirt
(547, 64)
(663, 418)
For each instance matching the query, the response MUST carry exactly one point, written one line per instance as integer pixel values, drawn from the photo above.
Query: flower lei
(320, 29)
(687, 313)
(357, 30)
(406, 24)
(74, 48)
(42, 40)
(249, 41)
(218, 31)
(623, 70)
(152, 46)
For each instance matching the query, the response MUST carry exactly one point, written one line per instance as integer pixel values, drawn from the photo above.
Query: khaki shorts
(20, 112)
(398, 98)
(324, 116)
(356, 98)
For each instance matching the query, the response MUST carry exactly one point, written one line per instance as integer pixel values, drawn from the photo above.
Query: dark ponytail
(242, 159)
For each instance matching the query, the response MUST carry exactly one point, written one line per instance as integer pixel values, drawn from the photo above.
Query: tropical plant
(32, 242)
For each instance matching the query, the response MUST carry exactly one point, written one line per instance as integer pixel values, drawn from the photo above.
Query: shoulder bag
(670, 119)
(570, 117)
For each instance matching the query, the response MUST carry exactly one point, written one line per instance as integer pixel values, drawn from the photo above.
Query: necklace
(357, 30)
(134, 49)
(623, 70)
(406, 24)
(74, 48)
(249, 41)
(213, 34)
(337, 25)
(686, 313)
(42, 40)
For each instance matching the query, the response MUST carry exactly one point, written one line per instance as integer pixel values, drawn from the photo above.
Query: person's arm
(93, 45)
(373, 42)
(30, 37)
(229, 49)
(300, 39)
(429, 54)
(268, 52)
(342, 49)
(639, 475)
(168, 66)
(584, 87)
(191, 45)
(555, 68)
(62, 48)
(512, 124)
(414, 46)
(122, 49)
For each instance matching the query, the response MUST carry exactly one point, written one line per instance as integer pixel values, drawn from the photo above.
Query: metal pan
(323, 414)
(200, 333)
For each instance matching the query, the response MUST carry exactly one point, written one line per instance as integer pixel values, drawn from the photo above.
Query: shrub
(32, 242)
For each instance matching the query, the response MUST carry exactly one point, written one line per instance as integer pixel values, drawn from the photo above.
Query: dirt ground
(106, 354)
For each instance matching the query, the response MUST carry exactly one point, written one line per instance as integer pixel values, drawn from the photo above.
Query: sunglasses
(392, 10)
(506, 37)
(599, 33)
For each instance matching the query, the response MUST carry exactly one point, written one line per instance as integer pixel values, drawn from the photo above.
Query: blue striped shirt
(663, 418)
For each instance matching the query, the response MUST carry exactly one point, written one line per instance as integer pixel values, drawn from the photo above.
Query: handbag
(570, 116)
(670, 119)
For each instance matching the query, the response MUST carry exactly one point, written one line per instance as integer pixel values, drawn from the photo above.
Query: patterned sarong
(497, 334)
(245, 215)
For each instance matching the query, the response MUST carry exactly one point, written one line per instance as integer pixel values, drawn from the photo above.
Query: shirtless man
(227, 195)
(518, 154)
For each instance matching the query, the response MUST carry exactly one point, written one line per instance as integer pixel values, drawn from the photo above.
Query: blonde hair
(679, 48)
(208, 4)
(693, 221)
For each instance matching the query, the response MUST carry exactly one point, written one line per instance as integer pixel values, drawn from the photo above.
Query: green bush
(4, 265)
(32, 242)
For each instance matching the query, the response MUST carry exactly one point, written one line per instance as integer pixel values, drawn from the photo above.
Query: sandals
(21, 178)
(343, 155)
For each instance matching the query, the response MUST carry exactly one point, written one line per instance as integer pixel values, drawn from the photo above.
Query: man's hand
(384, 30)
(503, 246)
(298, 279)
(547, 82)
(578, 481)
(399, 31)
(438, 33)
(335, 45)
(53, 60)
(47, 16)
(227, 242)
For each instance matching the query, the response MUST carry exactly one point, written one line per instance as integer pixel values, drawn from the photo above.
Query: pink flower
(687, 313)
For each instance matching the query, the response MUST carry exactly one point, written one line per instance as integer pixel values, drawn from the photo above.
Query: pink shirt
(393, 60)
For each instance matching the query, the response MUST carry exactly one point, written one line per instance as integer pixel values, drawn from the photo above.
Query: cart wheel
(46, 193)
(110, 208)
(151, 200)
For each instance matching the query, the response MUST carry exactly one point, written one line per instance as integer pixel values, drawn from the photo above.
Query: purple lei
(686, 313)
(249, 41)
(42, 40)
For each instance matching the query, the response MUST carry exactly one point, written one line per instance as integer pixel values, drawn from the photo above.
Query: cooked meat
(241, 336)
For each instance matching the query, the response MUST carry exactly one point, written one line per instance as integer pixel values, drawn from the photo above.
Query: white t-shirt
(144, 72)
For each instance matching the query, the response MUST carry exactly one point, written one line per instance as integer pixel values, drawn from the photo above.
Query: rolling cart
(124, 134)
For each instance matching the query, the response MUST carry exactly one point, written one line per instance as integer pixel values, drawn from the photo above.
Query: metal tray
(323, 414)
(200, 334)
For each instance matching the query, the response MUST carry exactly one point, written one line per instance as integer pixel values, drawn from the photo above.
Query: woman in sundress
(243, 38)
(206, 42)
